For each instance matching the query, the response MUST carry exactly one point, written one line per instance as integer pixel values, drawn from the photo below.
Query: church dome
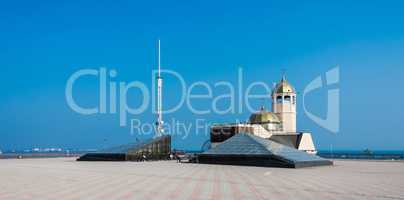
(263, 117)
(284, 87)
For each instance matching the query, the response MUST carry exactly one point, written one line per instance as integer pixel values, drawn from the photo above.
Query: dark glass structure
(153, 149)
(248, 149)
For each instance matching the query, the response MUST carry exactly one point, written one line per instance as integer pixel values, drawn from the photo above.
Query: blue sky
(43, 43)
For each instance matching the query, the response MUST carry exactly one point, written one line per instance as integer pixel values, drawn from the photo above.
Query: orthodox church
(278, 125)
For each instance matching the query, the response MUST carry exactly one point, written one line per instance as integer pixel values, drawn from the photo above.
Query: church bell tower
(284, 105)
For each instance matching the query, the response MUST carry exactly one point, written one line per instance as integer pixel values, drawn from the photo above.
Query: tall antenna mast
(159, 58)
(159, 123)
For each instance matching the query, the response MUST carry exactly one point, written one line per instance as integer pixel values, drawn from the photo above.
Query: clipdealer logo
(113, 97)
(111, 91)
(332, 120)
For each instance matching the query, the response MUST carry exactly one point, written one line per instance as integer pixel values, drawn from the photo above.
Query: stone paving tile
(64, 178)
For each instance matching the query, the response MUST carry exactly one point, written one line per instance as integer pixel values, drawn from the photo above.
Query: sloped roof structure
(248, 149)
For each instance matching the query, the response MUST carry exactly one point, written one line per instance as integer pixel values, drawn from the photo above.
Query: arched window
(294, 100)
(279, 99)
(287, 99)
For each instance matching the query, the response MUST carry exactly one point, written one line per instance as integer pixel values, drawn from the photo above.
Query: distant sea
(20, 155)
(365, 155)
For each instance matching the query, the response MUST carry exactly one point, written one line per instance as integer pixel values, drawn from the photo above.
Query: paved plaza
(64, 178)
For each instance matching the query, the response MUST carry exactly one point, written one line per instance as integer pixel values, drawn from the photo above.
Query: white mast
(159, 122)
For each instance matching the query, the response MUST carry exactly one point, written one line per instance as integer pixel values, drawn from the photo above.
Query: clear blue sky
(43, 43)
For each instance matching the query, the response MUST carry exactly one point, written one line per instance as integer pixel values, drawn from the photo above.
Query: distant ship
(368, 152)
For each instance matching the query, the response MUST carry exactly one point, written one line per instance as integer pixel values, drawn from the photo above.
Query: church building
(278, 125)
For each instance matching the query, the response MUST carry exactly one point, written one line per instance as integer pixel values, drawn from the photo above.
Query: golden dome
(284, 87)
(263, 117)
